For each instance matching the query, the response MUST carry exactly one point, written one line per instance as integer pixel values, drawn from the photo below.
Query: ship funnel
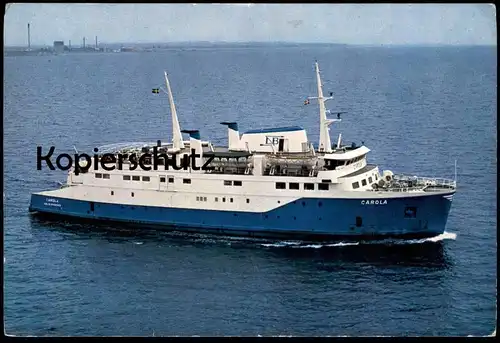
(195, 144)
(233, 135)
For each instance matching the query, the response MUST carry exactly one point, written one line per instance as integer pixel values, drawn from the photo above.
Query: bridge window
(355, 185)
(98, 175)
(146, 178)
(228, 182)
(162, 179)
(323, 186)
(280, 185)
(136, 178)
(126, 177)
(332, 164)
(370, 180)
(363, 182)
(309, 186)
(293, 185)
(236, 183)
(188, 181)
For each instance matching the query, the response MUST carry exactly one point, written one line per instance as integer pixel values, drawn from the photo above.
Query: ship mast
(325, 144)
(324, 134)
(176, 130)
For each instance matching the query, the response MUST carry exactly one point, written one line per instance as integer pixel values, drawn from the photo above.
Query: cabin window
(197, 198)
(216, 199)
(228, 182)
(293, 185)
(145, 178)
(112, 193)
(105, 176)
(363, 182)
(162, 179)
(323, 186)
(248, 201)
(410, 212)
(126, 177)
(98, 175)
(136, 178)
(326, 181)
(280, 185)
(132, 194)
(309, 186)
(355, 185)
(223, 199)
(370, 180)
(237, 183)
(170, 180)
(231, 200)
(188, 181)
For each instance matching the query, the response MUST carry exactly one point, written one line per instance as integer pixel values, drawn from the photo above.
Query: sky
(370, 24)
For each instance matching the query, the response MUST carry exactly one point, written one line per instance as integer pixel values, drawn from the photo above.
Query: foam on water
(341, 244)
(438, 238)
(281, 244)
(299, 244)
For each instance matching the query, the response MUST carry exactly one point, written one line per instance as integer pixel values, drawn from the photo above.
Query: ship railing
(426, 181)
(407, 183)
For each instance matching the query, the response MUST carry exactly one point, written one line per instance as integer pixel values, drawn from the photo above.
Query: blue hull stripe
(306, 216)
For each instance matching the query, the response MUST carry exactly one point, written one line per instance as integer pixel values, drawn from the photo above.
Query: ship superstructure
(266, 182)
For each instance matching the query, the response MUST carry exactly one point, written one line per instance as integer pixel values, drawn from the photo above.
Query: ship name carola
(373, 202)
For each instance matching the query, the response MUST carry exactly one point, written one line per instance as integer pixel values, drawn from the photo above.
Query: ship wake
(302, 244)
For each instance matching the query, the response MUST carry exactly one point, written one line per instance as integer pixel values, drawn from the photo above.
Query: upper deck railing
(407, 183)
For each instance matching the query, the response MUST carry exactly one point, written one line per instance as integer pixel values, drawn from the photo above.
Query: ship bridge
(344, 157)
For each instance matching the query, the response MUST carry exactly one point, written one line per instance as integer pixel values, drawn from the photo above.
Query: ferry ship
(270, 182)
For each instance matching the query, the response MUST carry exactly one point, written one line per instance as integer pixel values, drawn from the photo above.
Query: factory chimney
(83, 42)
(96, 42)
(29, 38)
(69, 46)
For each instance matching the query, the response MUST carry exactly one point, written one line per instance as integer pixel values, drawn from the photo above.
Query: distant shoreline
(153, 47)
